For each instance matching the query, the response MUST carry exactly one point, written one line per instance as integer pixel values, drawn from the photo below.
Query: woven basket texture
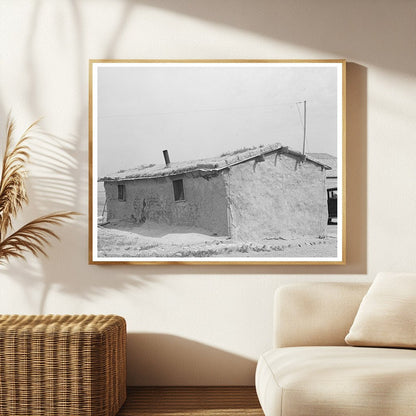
(56, 365)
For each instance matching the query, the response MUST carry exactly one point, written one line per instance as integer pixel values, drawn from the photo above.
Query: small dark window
(178, 190)
(121, 192)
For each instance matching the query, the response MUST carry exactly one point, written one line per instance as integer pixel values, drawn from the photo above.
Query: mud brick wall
(277, 197)
(204, 205)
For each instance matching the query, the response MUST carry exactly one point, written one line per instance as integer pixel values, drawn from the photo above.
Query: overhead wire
(196, 111)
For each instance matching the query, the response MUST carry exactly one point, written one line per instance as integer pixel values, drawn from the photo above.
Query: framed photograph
(208, 162)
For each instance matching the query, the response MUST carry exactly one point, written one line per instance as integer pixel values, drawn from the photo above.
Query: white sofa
(311, 371)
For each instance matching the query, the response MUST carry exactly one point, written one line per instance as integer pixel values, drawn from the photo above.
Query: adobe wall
(278, 197)
(153, 199)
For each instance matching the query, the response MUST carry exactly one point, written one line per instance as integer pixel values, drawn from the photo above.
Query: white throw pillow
(387, 314)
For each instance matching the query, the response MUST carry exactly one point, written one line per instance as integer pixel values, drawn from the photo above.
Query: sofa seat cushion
(305, 381)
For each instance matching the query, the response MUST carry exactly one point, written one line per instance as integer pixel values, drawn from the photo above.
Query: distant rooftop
(326, 159)
(206, 165)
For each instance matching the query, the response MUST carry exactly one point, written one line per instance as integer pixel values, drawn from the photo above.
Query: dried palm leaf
(33, 237)
(12, 183)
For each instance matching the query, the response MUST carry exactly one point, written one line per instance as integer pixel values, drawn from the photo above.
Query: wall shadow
(41, 279)
(338, 28)
(169, 360)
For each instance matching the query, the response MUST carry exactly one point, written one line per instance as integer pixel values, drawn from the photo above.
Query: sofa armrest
(315, 313)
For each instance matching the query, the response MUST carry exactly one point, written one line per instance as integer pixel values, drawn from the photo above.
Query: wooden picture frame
(217, 162)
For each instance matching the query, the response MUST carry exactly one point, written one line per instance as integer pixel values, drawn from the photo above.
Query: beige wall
(205, 325)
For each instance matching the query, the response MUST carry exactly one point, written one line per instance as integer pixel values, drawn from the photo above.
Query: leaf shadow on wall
(58, 181)
(52, 184)
(76, 144)
(164, 359)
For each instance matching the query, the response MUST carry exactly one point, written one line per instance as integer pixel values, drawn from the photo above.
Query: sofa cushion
(315, 314)
(387, 314)
(342, 381)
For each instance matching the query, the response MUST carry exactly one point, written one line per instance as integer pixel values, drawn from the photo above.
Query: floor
(195, 401)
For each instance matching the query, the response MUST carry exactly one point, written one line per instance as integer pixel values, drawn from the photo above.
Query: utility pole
(304, 127)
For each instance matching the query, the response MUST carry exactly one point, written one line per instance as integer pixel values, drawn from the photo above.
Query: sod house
(251, 194)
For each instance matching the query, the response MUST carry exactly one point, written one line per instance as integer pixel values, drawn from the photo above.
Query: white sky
(202, 111)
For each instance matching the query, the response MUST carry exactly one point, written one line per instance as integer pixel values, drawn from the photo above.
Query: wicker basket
(54, 365)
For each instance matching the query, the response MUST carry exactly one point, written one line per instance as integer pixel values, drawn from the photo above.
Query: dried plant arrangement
(34, 236)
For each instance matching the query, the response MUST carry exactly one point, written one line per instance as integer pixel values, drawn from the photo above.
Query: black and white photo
(217, 161)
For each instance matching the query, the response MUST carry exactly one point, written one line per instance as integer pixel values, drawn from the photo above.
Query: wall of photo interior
(196, 325)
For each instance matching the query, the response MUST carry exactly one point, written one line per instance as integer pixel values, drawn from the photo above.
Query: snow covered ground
(123, 239)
